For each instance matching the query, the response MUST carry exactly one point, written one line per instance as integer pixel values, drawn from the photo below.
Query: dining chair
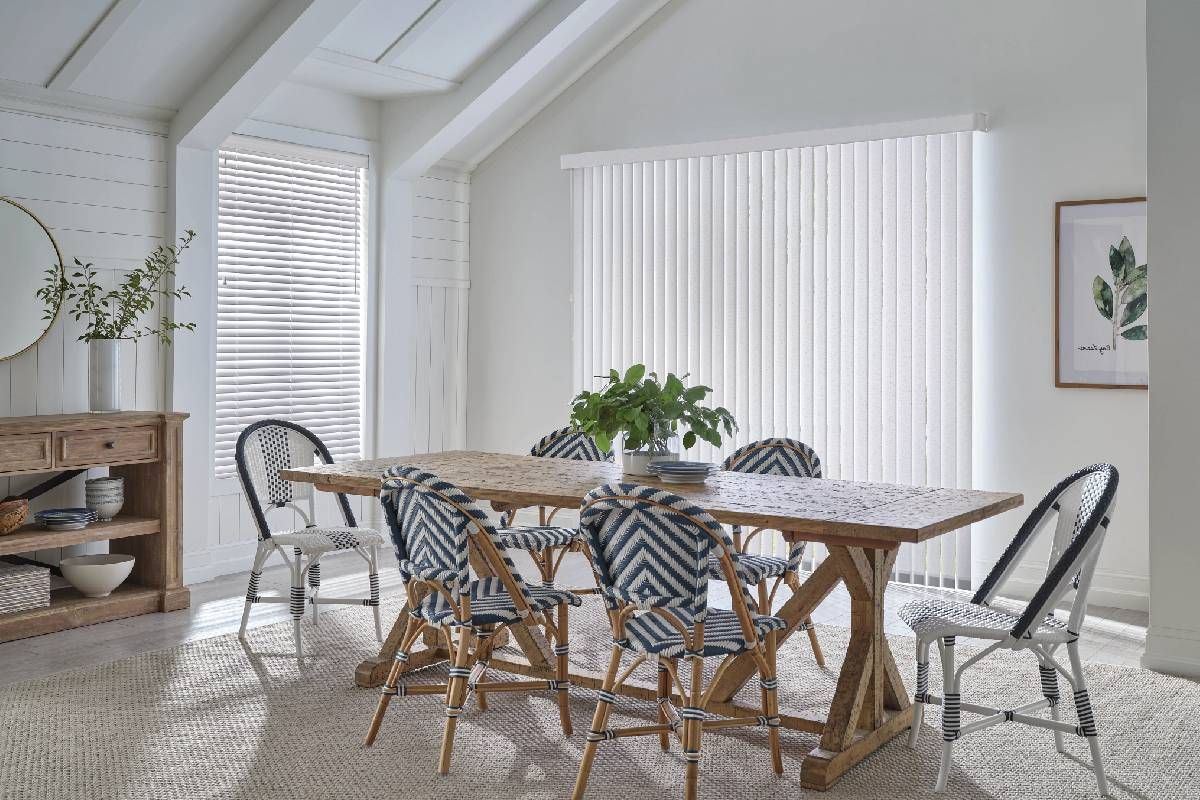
(547, 544)
(263, 449)
(433, 524)
(651, 550)
(776, 456)
(1083, 503)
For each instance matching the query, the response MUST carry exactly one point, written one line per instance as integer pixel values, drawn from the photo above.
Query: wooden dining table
(863, 525)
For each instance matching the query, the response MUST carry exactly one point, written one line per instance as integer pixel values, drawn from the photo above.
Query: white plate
(65, 526)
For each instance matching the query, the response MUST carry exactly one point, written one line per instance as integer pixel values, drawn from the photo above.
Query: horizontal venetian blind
(290, 282)
(824, 292)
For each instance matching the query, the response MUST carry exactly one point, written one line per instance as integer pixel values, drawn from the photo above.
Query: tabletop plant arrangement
(644, 416)
(116, 314)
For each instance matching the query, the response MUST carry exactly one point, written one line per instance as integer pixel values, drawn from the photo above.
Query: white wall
(1068, 124)
(98, 183)
(1174, 172)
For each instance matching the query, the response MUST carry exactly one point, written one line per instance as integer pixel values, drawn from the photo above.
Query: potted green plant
(113, 315)
(643, 416)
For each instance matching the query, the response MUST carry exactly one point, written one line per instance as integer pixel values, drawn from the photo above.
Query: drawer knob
(110, 445)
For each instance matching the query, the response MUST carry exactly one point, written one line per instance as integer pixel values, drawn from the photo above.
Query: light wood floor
(1111, 635)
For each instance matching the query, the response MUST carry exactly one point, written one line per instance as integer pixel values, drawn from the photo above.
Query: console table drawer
(121, 445)
(23, 453)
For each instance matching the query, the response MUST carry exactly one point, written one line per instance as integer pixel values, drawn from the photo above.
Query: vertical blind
(823, 292)
(290, 282)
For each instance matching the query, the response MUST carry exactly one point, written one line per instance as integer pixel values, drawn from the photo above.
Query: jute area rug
(219, 719)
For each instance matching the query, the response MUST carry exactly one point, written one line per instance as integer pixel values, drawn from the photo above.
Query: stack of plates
(65, 519)
(682, 471)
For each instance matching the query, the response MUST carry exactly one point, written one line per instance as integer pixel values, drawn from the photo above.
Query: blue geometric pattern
(757, 568)
(536, 537)
(650, 633)
(569, 443)
(491, 604)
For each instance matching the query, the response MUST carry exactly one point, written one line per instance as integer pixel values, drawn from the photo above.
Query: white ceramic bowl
(96, 575)
(105, 509)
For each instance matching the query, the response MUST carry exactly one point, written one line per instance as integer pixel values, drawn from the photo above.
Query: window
(824, 292)
(291, 256)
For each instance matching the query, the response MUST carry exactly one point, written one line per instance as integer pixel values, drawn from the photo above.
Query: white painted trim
(780, 141)
(1172, 650)
(76, 107)
(87, 50)
(418, 79)
(324, 140)
(286, 149)
(445, 283)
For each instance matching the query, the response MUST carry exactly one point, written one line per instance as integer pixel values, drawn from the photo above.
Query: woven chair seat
(757, 568)
(932, 619)
(491, 604)
(536, 537)
(650, 633)
(326, 538)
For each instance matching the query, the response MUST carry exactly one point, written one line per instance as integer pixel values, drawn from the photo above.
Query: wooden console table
(144, 448)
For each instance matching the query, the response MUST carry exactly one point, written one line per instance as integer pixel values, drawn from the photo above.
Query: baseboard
(217, 561)
(1172, 650)
(1109, 587)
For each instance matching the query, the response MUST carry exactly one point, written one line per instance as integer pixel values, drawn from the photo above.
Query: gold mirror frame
(61, 272)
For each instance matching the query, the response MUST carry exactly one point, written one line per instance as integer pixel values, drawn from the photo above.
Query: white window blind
(824, 292)
(290, 282)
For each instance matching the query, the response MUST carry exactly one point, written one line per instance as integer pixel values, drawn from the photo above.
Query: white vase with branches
(117, 314)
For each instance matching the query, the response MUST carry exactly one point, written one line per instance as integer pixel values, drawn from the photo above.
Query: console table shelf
(144, 448)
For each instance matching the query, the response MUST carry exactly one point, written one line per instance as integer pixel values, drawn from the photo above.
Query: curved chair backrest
(432, 522)
(1083, 502)
(264, 448)
(569, 443)
(650, 548)
(777, 456)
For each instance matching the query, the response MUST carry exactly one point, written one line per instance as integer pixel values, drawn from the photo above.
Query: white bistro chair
(264, 448)
(1083, 502)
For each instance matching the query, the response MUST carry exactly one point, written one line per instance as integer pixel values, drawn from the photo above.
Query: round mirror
(27, 250)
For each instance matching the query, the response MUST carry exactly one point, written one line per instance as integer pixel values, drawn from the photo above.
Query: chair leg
(693, 729)
(951, 713)
(563, 671)
(260, 557)
(816, 646)
(455, 695)
(599, 720)
(411, 630)
(314, 582)
(373, 580)
(922, 691)
(1086, 719)
(770, 701)
(297, 600)
(1050, 691)
(664, 697)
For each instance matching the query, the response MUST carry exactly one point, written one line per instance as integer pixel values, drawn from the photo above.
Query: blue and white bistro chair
(262, 449)
(548, 544)
(1082, 503)
(432, 524)
(651, 551)
(777, 456)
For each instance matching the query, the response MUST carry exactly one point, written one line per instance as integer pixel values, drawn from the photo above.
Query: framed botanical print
(1101, 314)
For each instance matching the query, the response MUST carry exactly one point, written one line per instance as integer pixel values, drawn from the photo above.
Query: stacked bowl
(105, 496)
(682, 471)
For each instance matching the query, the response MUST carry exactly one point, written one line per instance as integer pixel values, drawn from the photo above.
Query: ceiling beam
(87, 50)
(268, 54)
(419, 79)
(414, 32)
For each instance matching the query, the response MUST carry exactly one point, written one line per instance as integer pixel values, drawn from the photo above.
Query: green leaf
(1134, 309)
(673, 387)
(635, 373)
(1127, 254)
(689, 439)
(1135, 279)
(1136, 333)
(602, 441)
(696, 394)
(1116, 262)
(1103, 295)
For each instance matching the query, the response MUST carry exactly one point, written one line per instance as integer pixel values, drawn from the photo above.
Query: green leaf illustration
(1127, 253)
(1136, 279)
(1136, 333)
(1103, 295)
(1116, 262)
(1134, 309)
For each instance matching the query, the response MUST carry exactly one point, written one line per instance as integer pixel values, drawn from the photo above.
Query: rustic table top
(817, 509)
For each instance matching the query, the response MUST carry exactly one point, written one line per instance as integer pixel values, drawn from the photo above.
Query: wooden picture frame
(1084, 355)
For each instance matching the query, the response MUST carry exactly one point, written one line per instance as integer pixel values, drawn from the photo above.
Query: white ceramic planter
(635, 463)
(104, 375)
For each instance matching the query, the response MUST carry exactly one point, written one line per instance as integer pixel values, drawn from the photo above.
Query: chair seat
(757, 568)
(650, 633)
(931, 619)
(491, 603)
(536, 537)
(324, 539)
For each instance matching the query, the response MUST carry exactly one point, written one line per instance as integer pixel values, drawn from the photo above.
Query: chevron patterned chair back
(1082, 504)
(433, 524)
(569, 443)
(651, 550)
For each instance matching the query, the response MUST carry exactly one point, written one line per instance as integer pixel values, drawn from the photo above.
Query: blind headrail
(977, 121)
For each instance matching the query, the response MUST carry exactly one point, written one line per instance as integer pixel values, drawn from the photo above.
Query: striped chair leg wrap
(314, 575)
(561, 649)
(692, 712)
(691, 756)
(1049, 683)
(951, 716)
(398, 690)
(769, 722)
(769, 684)
(606, 697)
(374, 579)
(948, 641)
(252, 590)
(297, 601)
(555, 685)
(1083, 709)
(402, 656)
(922, 683)
(600, 736)
(804, 626)
(547, 584)
(460, 672)
(453, 711)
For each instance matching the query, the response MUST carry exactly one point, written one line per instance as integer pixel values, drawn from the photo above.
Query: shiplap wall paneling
(101, 190)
